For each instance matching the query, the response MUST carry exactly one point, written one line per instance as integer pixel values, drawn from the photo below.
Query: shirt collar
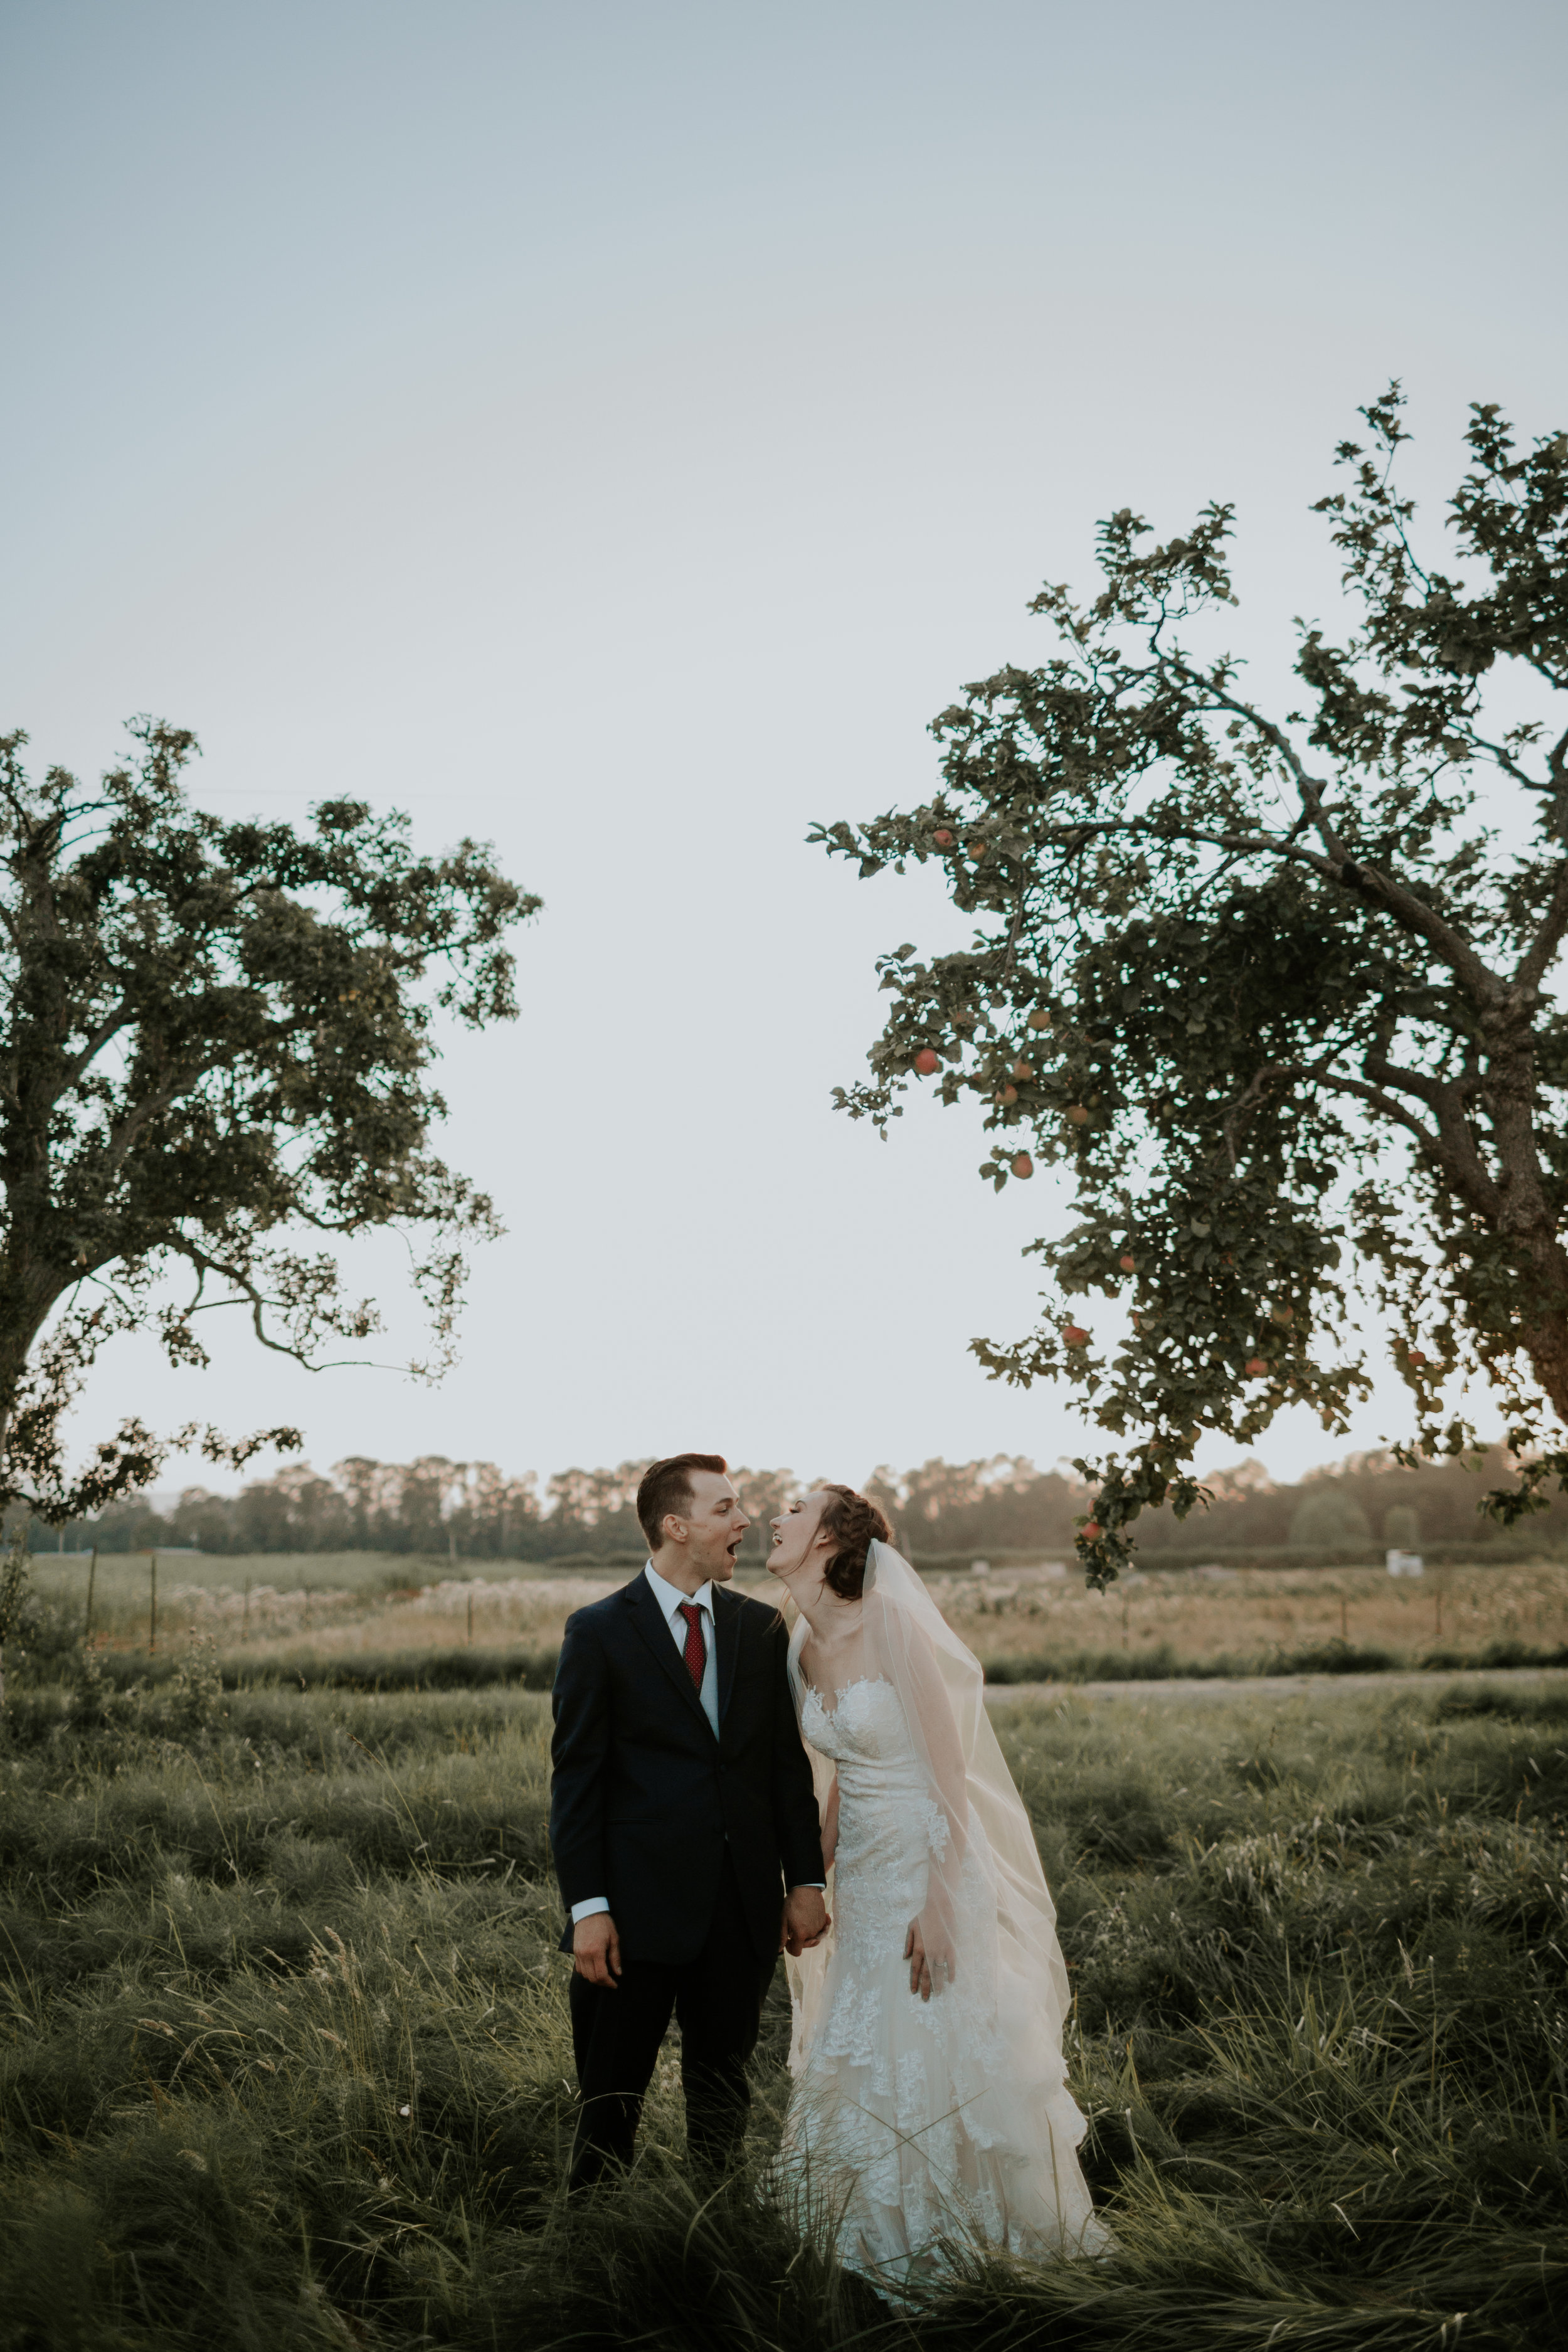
(670, 1596)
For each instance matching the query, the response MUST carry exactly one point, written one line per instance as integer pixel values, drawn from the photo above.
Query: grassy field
(1028, 1628)
(298, 1614)
(286, 2059)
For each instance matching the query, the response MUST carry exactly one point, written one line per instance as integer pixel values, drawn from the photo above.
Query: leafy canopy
(1281, 992)
(216, 1055)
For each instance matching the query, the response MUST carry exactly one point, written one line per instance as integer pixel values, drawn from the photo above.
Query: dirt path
(1281, 1686)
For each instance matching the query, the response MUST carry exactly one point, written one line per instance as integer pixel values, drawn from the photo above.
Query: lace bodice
(887, 1825)
(866, 1723)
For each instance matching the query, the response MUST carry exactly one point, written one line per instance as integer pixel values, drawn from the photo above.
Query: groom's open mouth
(733, 1548)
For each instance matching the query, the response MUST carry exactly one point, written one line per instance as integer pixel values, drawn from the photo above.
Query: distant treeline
(471, 1510)
(1365, 1505)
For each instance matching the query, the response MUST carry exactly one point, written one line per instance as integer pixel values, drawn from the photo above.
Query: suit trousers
(717, 1998)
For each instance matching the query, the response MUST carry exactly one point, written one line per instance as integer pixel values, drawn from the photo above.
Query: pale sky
(614, 431)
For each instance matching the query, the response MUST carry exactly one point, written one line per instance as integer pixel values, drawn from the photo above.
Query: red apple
(1040, 1018)
(943, 837)
(927, 1060)
(1283, 1314)
(1023, 1165)
(1023, 1072)
(1077, 1113)
(1008, 1095)
(1255, 1367)
(1093, 1531)
(1416, 1357)
(1128, 1264)
(1075, 1334)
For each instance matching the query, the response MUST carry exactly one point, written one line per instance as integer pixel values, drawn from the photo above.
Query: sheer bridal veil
(975, 1817)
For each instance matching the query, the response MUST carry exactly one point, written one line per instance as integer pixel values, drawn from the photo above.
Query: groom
(683, 1824)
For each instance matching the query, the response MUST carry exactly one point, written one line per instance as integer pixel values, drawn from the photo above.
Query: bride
(929, 2106)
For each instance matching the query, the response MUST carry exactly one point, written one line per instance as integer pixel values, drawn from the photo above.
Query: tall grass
(286, 2058)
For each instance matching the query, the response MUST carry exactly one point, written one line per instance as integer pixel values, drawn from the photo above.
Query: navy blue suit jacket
(643, 1798)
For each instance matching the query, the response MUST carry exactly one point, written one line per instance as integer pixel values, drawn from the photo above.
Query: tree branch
(1265, 845)
(1307, 785)
(248, 1290)
(97, 1039)
(1388, 1104)
(1530, 970)
(1413, 912)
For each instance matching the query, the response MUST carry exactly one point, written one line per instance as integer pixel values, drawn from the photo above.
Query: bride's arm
(797, 1824)
(930, 1946)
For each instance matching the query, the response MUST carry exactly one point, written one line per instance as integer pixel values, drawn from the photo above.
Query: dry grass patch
(1258, 1614)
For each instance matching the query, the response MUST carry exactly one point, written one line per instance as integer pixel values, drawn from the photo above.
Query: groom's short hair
(667, 1487)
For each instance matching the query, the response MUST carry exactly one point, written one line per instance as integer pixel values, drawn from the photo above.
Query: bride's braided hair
(853, 1522)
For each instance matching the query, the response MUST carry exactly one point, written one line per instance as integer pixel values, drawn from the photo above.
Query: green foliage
(285, 2058)
(1401, 1528)
(1325, 1516)
(217, 1040)
(15, 1577)
(15, 1581)
(1276, 991)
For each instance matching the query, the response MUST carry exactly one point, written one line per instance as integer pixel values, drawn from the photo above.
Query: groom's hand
(805, 1921)
(596, 1949)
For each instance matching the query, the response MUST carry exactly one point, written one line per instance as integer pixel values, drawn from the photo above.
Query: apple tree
(1280, 989)
(215, 1066)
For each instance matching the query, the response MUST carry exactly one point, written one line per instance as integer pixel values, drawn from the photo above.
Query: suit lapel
(649, 1621)
(727, 1639)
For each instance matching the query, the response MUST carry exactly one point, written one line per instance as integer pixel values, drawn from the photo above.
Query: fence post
(91, 1580)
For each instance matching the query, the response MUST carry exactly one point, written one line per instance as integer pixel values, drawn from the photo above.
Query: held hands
(805, 1921)
(596, 1951)
(929, 1971)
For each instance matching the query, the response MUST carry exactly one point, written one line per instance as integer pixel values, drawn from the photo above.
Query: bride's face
(795, 1534)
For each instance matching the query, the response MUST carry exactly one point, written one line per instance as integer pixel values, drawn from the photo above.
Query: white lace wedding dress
(915, 2125)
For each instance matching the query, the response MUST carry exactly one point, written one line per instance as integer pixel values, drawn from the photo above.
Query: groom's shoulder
(761, 1616)
(601, 1616)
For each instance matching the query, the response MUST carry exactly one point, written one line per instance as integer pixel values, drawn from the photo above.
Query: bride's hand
(928, 1971)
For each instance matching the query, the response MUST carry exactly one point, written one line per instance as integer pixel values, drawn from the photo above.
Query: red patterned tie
(696, 1647)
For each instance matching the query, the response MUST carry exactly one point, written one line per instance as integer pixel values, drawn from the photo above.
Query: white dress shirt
(671, 1600)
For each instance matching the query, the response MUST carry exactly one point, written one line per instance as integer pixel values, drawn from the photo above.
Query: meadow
(364, 1616)
(286, 2061)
